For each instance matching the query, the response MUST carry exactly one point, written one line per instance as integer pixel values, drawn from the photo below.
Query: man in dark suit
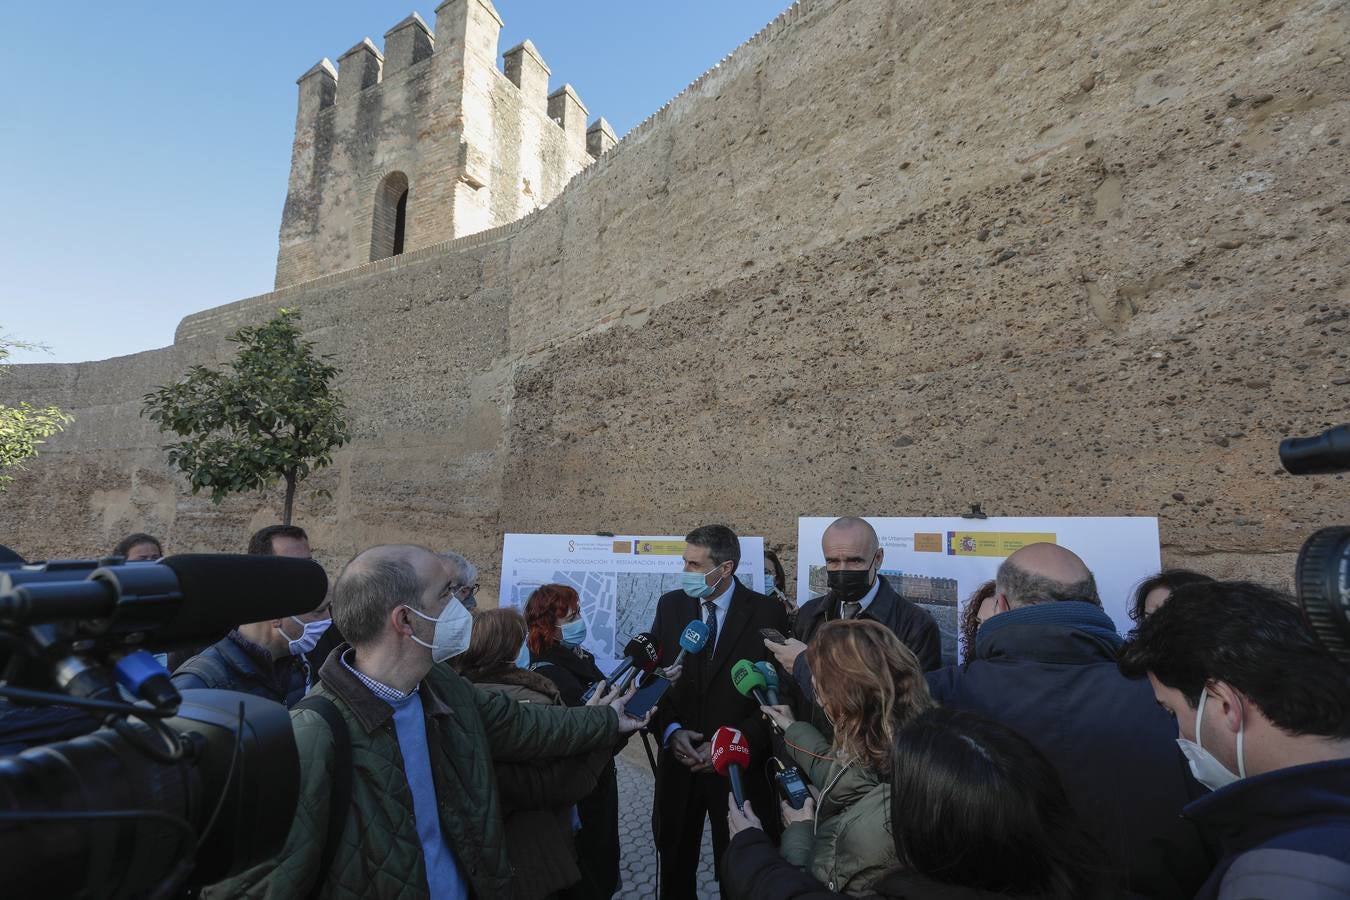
(858, 590)
(704, 699)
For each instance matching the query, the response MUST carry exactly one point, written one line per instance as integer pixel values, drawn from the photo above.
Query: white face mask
(309, 637)
(1204, 766)
(453, 628)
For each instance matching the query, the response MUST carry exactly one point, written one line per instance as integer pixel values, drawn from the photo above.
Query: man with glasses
(464, 575)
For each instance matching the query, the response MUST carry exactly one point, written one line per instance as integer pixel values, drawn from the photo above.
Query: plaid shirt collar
(379, 689)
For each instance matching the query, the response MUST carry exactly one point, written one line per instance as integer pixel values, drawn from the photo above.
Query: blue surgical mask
(523, 657)
(574, 633)
(696, 585)
(309, 636)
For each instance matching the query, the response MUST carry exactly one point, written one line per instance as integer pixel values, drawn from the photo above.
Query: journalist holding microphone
(870, 686)
(703, 700)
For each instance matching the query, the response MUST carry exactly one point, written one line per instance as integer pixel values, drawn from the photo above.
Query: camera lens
(1323, 454)
(1323, 577)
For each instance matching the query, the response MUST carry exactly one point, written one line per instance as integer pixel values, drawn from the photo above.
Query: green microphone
(750, 681)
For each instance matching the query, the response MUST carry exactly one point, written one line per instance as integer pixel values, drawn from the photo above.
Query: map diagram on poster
(619, 579)
(938, 562)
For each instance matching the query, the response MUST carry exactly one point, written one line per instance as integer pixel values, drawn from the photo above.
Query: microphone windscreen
(695, 636)
(746, 677)
(729, 748)
(222, 590)
(769, 672)
(644, 651)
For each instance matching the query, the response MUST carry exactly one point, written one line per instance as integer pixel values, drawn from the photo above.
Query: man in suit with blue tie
(703, 700)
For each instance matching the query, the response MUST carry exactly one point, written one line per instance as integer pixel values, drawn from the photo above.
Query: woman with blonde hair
(869, 685)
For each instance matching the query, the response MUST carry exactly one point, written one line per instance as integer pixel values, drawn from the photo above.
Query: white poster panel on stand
(619, 579)
(939, 561)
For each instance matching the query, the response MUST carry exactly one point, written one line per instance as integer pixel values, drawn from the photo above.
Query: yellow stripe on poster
(658, 548)
(992, 543)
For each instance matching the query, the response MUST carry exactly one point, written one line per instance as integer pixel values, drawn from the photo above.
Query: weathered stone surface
(784, 295)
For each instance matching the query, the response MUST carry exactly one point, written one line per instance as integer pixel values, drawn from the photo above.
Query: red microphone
(731, 757)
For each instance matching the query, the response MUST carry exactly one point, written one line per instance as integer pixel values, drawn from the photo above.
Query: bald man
(857, 590)
(1044, 664)
(424, 817)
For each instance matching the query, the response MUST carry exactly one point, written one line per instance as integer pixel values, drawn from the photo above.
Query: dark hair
(493, 644)
(973, 803)
(1251, 637)
(261, 542)
(970, 617)
(1167, 578)
(720, 541)
(546, 606)
(137, 537)
(779, 576)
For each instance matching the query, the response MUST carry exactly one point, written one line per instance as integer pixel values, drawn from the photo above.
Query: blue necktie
(711, 621)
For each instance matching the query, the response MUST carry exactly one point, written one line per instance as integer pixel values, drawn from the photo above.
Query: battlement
(426, 140)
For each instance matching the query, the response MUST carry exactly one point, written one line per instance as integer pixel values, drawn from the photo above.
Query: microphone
(730, 757)
(750, 681)
(692, 640)
(639, 655)
(765, 668)
(189, 597)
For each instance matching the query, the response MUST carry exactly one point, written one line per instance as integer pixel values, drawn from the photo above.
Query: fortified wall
(890, 256)
(425, 142)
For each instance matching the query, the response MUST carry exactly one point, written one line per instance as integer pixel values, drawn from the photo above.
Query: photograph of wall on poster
(619, 579)
(939, 561)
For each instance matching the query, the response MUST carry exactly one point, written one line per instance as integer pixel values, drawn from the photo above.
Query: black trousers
(680, 814)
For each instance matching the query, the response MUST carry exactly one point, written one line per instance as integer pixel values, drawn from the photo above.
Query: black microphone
(640, 654)
(190, 597)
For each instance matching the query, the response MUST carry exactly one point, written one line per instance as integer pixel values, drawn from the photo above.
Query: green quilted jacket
(380, 855)
(850, 845)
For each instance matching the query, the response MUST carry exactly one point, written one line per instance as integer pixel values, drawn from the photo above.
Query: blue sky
(146, 145)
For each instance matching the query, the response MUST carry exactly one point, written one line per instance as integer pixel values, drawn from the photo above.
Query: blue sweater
(444, 878)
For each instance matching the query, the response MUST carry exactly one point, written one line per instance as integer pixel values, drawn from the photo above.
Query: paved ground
(638, 861)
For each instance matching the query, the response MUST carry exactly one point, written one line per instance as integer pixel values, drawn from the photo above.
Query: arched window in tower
(390, 225)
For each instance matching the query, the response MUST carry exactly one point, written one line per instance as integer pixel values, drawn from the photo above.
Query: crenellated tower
(425, 141)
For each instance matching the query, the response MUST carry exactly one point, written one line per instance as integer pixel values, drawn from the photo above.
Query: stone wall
(475, 147)
(889, 257)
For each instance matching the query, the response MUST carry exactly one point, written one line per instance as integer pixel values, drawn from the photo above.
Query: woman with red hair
(556, 633)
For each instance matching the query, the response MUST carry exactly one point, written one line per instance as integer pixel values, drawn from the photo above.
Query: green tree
(271, 413)
(23, 427)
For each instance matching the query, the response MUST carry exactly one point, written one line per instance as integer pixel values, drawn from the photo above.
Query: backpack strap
(342, 783)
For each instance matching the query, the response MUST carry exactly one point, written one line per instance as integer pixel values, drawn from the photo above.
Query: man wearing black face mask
(853, 558)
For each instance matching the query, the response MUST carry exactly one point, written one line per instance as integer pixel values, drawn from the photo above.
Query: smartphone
(791, 786)
(773, 634)
(646, 697)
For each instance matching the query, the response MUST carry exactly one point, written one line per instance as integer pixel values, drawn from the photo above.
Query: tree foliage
(271, 413)
(23, 427)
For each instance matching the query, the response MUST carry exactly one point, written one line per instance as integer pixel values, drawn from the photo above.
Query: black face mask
(849, 585)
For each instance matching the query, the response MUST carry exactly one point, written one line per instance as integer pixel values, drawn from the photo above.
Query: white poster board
(619, 579)
(939, 561)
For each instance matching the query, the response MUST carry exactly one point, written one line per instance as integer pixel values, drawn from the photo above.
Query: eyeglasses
(471, 588)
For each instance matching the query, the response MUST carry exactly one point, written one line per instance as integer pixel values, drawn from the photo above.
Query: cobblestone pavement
(637, 863)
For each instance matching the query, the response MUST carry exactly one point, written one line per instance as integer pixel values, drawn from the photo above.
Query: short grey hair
(366, 594)
(1026, 588)
(466, 573)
